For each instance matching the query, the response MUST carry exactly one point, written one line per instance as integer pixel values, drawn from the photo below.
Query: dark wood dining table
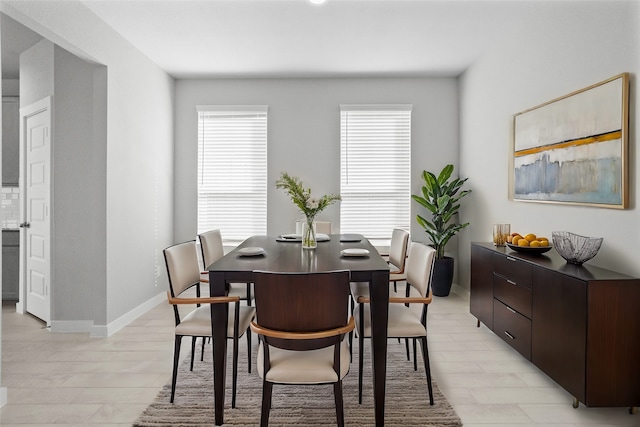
(288, 256)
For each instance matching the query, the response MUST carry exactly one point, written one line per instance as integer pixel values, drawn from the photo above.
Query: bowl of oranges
(529, 243)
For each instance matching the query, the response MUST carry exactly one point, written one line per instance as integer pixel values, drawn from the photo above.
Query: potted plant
(441, 196)
(308, 205)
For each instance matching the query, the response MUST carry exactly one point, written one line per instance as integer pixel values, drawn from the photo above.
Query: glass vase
(309, 234)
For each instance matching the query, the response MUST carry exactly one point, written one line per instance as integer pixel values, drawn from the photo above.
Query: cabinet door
(10, 265)
(512, 327)
(481, 304)
(558, 333)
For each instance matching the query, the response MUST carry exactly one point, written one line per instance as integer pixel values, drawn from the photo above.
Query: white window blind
(232, 170)
(375, 169)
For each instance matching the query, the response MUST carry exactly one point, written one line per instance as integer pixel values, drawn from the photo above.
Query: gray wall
(565, 47)
(79, 190)
(304, 135)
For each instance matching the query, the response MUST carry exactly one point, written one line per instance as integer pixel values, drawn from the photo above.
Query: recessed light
(317, 1)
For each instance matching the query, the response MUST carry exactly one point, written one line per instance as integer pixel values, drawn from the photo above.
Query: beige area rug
(407, 399)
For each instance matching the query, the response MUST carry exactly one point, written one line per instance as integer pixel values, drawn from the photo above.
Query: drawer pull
(510, 309)
(511, 258)
(509, 335)
(511, 282)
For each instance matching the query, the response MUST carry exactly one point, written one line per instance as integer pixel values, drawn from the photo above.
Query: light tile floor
(74, 380)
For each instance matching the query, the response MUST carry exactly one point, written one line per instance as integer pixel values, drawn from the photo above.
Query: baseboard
(103, 331)
(3, 396)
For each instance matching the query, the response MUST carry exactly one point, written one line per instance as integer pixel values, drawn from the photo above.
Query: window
(375, 169)
(232, 170)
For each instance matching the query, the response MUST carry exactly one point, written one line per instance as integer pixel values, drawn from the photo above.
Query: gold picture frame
(574, 149)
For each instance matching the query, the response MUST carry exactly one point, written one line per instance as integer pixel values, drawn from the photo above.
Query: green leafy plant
(441, 196)
(301, 196)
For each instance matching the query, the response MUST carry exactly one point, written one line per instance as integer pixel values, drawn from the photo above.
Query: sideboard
(579, 324)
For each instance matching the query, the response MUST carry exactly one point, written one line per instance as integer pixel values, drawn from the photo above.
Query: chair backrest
(323, 227)
(182, 267)
(419, 267)
(398, 248)
(302, 302)
(211, 247)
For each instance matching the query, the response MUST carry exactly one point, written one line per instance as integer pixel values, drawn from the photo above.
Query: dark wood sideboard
(578, 324)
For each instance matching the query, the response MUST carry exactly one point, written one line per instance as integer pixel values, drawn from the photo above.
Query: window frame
(396, 158)
(248, 212)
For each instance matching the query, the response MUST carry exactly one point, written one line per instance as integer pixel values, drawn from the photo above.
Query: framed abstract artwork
(573, 149)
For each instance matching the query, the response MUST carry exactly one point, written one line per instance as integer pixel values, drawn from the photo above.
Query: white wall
(566, 46)
(138, 122)
(304, 135)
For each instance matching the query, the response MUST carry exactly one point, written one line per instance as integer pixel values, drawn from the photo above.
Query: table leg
(379, 293)
(219, 319)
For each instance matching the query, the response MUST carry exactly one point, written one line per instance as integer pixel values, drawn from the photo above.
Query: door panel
(36, 139)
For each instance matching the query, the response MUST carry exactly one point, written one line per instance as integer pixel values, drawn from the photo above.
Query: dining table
(285, 254)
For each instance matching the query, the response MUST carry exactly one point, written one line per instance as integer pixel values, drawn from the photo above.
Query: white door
(35, 159)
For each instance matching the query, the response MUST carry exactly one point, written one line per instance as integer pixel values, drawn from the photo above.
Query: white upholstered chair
(184, 273)
(398, 251)
(404, 320)
(212, 250)
(324, 227)
(396, 258)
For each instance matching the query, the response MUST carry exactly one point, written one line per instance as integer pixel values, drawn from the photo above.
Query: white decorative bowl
(574, 248)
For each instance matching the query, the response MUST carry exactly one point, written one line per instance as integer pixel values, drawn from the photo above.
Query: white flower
(313, 203)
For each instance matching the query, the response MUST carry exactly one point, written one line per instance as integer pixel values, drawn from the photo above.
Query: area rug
(407, 398)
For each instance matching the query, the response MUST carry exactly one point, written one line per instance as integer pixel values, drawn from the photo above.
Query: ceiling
(294, 38)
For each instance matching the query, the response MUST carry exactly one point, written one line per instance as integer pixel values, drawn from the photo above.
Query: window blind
(232, 170)
(375, 169)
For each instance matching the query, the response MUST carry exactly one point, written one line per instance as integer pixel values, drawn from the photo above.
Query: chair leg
(351, 347)
(204, 339)
(249, 350)
(267, 389)
(234, 378)
(176, 357)
(427, 367)
(337, 393)
(415, 356)
(406, 344)
(351, 305)
(193, 351)
(360, 353)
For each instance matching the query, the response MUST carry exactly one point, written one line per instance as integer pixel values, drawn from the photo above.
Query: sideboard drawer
(513, 269)
(512, 294)
(512, 327)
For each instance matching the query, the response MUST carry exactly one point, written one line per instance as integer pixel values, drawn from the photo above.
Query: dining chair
(324, 227)
(398, 252)
(184, 273)
(404, 320)
(212, 250)
(301, 321)
(396, 258)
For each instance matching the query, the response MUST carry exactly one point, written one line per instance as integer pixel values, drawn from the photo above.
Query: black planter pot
(442, 277)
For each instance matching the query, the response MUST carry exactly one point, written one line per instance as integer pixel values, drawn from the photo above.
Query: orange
(523, 242)
(544, 243)
(530, 237)
(535, 244)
